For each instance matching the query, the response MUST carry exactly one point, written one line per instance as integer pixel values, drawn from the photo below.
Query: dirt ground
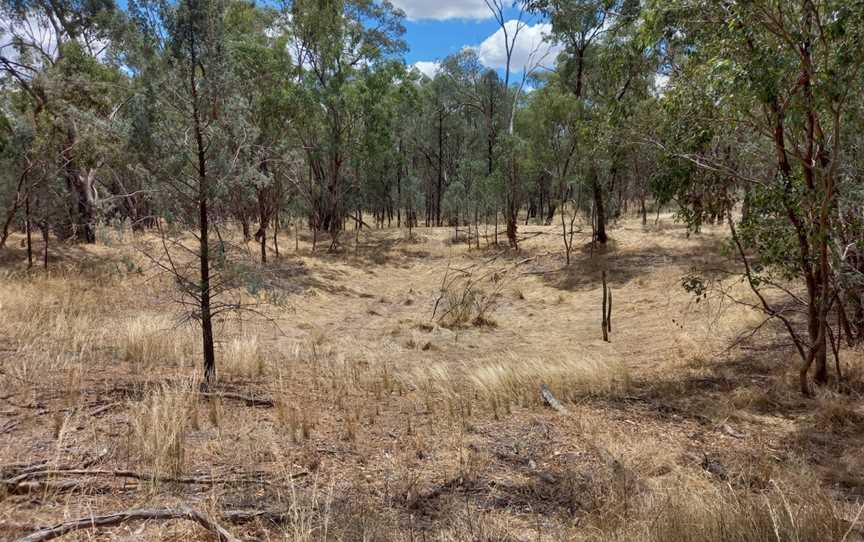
(355, 405)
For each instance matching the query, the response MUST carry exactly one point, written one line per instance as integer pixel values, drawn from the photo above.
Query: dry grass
(243, 357)
(569, 379)
(722, 515)
(410, 430)
(160, 424)
(148, 341)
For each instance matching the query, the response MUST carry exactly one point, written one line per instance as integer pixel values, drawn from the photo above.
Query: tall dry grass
(159, 426)
(153, 340)
(510, 380)
(721, 514)
(51, 325)
(243, 356)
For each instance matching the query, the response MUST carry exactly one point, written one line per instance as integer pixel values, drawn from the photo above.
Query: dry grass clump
(839, 415)
(160, 424)
(243, 357)
(721, 514)
(512, 380)
(469, 297)
(50, 325)
(297, 420)
(148, 340)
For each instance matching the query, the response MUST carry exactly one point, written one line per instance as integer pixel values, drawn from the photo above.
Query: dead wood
(8, 427)
(248, 400)
(21, 483)
(118, 518)
(550, 399)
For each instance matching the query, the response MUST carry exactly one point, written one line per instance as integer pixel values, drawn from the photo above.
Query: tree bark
(599, 211)
(27, 228)
(203, 223)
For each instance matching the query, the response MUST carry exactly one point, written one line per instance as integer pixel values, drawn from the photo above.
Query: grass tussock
(513, 379)
(147, 341)
(723, 515)
(469, 298)
(243, 357)
(160, 425)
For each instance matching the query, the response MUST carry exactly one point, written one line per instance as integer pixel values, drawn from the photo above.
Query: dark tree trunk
(27, 228)
(204, 227)
(643, 210)
(45, 234)
(440, 167)
(600, 212)
(276, 235)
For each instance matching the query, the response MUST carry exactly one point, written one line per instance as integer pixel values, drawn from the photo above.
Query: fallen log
(118, 518)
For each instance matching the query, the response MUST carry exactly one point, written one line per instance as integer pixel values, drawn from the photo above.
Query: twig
(118, 518)
(11, 483)
(8, 427)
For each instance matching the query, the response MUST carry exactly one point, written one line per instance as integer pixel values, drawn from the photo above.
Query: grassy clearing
(408, 427)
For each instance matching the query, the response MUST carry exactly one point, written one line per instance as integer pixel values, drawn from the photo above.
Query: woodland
(263, 279)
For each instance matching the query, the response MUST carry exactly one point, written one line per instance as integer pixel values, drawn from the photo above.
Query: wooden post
(605, 323)
(276, 234)
(609, 313)
(45, 232)
(27, 227)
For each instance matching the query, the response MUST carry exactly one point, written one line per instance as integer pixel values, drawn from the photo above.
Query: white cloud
(530, 47)
(444, 9)
(427, 68)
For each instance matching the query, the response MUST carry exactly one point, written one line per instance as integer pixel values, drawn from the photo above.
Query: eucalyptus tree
(261, 67)
(777, 80)
(59, 55)
(334, 40)
(510, 170)
(379, 157)
(554, 132)
(442, 132)
(583, 28)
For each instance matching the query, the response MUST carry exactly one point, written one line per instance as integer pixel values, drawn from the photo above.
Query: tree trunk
(643, 210)
(84, 186)
(276, 235)
(204, 227)
(45, 234)
(440, 167)
(599, 212)
(27, 228)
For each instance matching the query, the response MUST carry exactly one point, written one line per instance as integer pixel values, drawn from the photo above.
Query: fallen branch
(118, 518)
(8, 427)
(12, 483)
(247, 516)
(550, 399)
(102, 409)
(249, 400)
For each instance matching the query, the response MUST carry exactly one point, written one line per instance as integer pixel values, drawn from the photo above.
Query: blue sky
(429, 39)
(437, 28)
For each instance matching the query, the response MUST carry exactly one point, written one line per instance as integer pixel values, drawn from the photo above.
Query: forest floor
(372, 419)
